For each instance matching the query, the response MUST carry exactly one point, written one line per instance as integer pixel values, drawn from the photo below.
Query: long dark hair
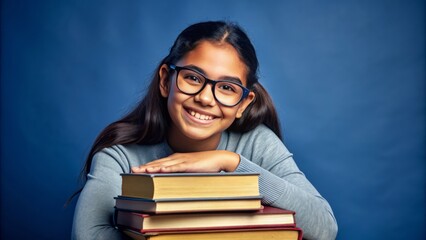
(149, 121)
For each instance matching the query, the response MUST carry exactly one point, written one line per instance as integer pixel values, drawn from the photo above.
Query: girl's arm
(283, 185)
(295, 192)
(205, 161)
(93, 217)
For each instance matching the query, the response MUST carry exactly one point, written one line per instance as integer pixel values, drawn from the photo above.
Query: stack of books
(171, 206)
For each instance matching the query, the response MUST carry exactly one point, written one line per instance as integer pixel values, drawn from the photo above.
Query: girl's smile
(200, 116)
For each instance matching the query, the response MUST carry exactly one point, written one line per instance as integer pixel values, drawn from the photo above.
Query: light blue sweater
(281, 183)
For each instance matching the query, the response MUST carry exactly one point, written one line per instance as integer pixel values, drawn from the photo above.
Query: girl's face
(200, 117)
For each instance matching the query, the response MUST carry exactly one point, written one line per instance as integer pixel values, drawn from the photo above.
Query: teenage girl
(205, 111)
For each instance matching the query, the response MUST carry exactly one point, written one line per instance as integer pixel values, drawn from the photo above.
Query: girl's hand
(207, 161)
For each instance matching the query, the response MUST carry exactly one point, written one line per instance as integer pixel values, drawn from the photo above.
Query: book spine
(203, 229)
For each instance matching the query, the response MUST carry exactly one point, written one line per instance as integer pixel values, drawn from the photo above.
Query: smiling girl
(205, 111)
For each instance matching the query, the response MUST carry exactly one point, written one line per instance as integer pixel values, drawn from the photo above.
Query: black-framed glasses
(192, 82)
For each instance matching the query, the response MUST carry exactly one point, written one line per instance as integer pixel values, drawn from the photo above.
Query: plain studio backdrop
(347, 78)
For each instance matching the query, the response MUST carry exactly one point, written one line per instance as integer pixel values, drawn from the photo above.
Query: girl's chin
(200, 134)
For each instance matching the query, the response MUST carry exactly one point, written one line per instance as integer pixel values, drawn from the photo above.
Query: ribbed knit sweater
(281, 183)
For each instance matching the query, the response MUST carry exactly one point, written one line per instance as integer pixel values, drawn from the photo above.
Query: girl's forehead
(216, 60)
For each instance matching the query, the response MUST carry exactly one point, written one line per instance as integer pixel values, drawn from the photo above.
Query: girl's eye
(227, 87)
(193, 78)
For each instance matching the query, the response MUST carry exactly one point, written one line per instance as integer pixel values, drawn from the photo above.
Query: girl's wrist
(230, 161)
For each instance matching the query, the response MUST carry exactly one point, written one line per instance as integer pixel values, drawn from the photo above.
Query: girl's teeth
(199, 116)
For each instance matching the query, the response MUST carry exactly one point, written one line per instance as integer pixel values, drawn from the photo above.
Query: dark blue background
(347, 77)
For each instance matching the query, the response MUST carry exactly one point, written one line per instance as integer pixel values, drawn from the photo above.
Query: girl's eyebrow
(227, 78)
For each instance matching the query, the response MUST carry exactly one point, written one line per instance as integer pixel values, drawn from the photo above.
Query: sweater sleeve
(93, 217)
(283, 185)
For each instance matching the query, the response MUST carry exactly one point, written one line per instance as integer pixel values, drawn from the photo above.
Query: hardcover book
(190, 185)
(160, 206)
(267, 217)
(236, 234)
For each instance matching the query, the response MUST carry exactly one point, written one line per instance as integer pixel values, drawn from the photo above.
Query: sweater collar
(221, 146)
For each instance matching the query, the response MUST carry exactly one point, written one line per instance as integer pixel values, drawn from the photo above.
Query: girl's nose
(206, 97)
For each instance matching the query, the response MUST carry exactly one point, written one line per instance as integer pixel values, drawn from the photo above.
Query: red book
(291, 233)
(268, 217)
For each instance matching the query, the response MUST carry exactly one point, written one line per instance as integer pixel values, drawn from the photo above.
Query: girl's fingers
(138, 169)
(178, 167)
(172, 157)
(156, 166)
(158, 161)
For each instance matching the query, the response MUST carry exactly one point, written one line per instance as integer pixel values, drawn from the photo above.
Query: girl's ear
(246, 102)
(163, 73)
